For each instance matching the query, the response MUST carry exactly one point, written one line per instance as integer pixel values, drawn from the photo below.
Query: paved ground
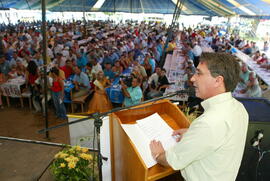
(23, 123)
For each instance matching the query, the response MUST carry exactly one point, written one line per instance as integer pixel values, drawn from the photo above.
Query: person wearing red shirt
(25, 50)
(67, 69)
(58, 94)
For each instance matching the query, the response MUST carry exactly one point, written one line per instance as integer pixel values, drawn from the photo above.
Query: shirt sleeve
(135, 95)
(196, 143)
(143, 72)
(166, 81)
(150, 79)
(85, 80)
(75, 78)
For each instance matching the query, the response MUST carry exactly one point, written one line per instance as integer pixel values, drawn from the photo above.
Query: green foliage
(191, 116)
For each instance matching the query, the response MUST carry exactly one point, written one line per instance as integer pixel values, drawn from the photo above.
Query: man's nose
(192, 79)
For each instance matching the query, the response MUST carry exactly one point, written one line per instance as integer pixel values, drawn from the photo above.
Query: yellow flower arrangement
(78, 148)
(62, 165)
(73, 163)
(63, 155)
(86, 156)
(84, 150)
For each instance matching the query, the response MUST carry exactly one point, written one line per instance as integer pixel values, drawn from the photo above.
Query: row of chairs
(27, 94)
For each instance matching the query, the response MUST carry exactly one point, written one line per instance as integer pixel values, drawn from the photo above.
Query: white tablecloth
(175, 73)
(12, 88)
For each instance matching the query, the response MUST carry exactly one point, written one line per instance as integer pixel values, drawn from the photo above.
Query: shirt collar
(210, 102)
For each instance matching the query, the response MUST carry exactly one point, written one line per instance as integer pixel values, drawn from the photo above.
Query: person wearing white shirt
(40, 82)
(153, 79)
(15, 59)
(53, 29)
(212, 147)
(58, 48)
(197, 51)
(96, 67)
(252, 88)
(60, 60)
(65, 52)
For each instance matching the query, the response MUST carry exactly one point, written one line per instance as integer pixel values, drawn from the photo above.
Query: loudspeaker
(259, 119)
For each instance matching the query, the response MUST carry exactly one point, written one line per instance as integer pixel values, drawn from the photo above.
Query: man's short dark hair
(138, 79)
(55, 71)
(76, 66)
(163, 69)
(225, 65)
(89, 65)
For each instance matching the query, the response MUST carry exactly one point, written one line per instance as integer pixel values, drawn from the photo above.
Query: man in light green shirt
(133, 95)
(211, 149)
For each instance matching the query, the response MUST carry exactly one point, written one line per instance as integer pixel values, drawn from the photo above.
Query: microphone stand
(98, 123)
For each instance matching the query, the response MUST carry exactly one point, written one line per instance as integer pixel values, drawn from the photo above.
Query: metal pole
(114, 6)
(131, 6)
(44, 55)
(84, 20)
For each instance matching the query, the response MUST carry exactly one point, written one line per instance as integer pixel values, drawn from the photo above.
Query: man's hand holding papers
(158, 151)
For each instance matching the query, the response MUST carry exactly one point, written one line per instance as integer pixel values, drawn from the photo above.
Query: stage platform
(26, 161)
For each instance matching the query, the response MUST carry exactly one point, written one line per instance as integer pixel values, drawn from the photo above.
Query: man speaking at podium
(211, 149)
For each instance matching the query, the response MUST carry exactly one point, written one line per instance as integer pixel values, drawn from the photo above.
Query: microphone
(257, 138)
(180, 93)
(186, 91)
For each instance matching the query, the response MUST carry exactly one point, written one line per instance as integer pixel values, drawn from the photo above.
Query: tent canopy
(191, 7)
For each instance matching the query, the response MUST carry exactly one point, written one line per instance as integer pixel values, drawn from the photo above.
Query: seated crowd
(101, 55)
(249, 85)
(105, 55)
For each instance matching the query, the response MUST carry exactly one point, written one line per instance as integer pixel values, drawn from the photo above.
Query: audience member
(100, 102)
(58, 94)
(81, 82)
(133, 95)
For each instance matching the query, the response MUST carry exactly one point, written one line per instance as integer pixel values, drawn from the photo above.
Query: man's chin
(197, 94)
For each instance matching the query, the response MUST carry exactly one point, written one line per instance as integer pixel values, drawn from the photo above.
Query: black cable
(93, 167)
(46, 168)
(32, 141)
(261, 155)
(258, 163)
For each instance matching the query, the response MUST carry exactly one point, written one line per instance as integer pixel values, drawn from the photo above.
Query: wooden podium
(127, 164)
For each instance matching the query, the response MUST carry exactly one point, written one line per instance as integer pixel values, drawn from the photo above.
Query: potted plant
(191, 115)
(74, 164)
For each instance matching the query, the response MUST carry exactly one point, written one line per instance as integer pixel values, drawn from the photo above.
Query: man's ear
(219, 81)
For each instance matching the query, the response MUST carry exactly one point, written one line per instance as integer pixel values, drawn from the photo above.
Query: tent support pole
(44, 55)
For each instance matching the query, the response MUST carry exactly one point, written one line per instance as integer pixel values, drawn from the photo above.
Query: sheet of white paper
(141, 143)
(146, 130)
(157, 129)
